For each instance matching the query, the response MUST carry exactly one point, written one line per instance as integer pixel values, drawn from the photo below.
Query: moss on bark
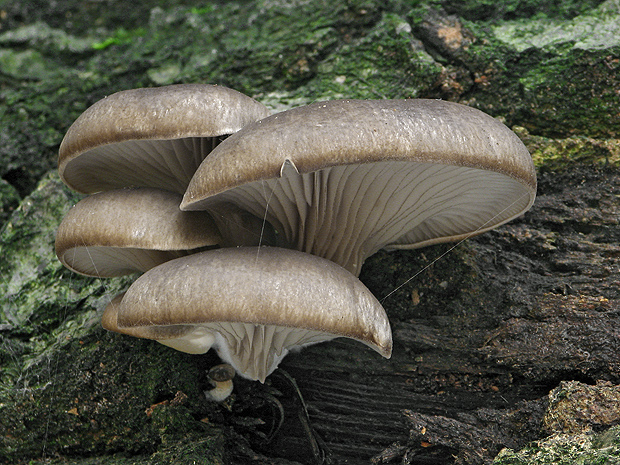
(70, 390)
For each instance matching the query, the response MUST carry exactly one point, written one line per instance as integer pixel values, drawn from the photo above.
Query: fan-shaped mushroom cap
(343, 179)
(130, 230)
(153, 137)
(253, 304)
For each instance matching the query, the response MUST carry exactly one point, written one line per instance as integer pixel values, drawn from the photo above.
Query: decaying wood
(472, 367)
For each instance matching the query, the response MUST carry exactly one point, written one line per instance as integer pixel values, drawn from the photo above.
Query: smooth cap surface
(130, 230)
(153, 137)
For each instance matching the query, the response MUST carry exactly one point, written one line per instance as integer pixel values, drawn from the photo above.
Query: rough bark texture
(505, 345)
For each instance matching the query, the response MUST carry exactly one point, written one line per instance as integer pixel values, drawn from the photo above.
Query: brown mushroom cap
(153, 137)
(130, 230)
(343, 179)
(253, 304)
(221, 373)
(167, 335)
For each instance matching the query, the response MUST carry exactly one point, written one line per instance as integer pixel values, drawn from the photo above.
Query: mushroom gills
(110, 262)
(347, 213)
(256, 350)
(151, 137)
(164, 164)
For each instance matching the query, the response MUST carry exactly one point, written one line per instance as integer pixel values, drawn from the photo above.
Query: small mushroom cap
(345, 178)
(222, 372)
(221, 378)
(130, 230)
(258, 302)
(153, 137)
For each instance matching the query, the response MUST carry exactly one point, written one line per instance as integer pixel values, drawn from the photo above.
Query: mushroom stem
(239, 227)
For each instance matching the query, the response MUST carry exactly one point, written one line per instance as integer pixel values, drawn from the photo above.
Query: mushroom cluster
(250, 230)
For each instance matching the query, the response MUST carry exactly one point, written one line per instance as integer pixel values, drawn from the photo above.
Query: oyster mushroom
(151, 137)
(252, 304)
(125, 231)
(343, 179)
(221, 377)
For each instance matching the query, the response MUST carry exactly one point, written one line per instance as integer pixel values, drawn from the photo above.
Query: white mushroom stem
(221, 391)
(256, 350)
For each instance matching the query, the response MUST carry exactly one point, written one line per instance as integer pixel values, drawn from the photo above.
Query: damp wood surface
(505, 345)
(471, 373)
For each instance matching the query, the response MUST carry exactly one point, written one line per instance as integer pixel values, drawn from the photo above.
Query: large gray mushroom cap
(252, 304)
(343, 179)
(126, 231)
(152, 137)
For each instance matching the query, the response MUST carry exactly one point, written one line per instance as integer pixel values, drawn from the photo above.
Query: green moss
(575, 407)
(285, 51)
(27, 64)
(36, 292)
(9, 199)
(67, 387)
(525, 88)
(33, 121)
(387, 62)
(561, 154)
(595, 29)
(489, 10)
(185, 440)
(120, 37)
(564, 449)
(93, 395)
(50, 41)
(290, 54)
(76, 16)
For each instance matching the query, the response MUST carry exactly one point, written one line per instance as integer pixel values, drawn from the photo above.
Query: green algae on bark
(36, 292)
(556, 87)
(567, 449)
(585, 52)
(9, 200)
(593, 29)
(95, 395)
(66, 386)
(294, 53)
(575, 407)
(386, 62)
(554, 155)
